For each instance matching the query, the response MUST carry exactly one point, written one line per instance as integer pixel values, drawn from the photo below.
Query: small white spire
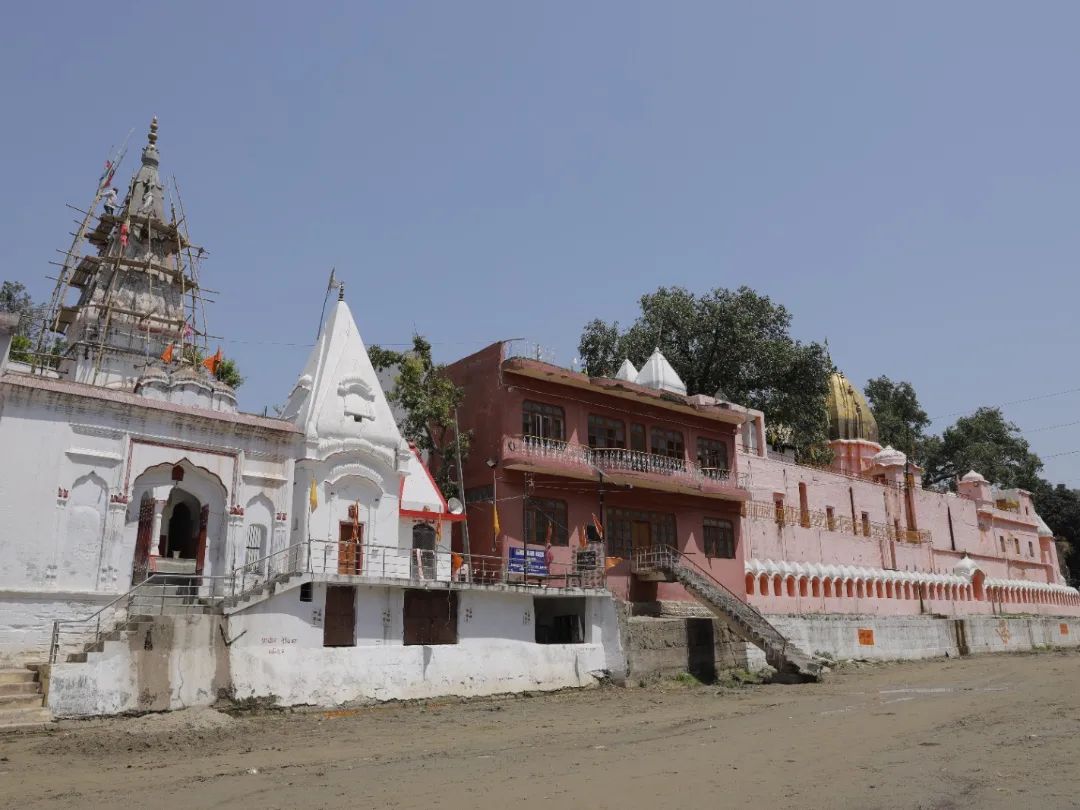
(627, 372)
(657, 373)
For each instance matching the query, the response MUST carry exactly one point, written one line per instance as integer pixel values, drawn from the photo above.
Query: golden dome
(849, 412)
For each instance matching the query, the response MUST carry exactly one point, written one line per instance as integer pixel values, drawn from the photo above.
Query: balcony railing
(814, 518)
(620, 459)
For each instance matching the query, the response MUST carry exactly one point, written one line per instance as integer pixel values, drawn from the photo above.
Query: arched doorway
(180, 540)
(181, 511)
(423, 556)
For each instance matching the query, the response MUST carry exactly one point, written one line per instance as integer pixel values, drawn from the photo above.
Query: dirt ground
(987, 732)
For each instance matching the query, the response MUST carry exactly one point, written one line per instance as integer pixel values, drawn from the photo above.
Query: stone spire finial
(152, 137)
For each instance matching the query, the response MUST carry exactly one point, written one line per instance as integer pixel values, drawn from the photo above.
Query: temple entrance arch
(181, 521)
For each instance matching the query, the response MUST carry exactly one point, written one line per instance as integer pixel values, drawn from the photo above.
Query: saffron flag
(581, 538)
(211, 363)
(456, 561)
(166, 356)
(598, 526)
(547, 534)
(495, 519)
(313, 496)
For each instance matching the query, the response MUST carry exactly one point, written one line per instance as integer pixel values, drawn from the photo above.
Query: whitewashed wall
(280, 656)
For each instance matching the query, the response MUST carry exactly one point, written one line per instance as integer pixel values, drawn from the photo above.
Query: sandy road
(995, 731)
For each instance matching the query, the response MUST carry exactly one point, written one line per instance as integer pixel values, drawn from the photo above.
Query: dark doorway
(701, 649)
(560, 620)
(181, 538)
(339, 618)
(423, 556)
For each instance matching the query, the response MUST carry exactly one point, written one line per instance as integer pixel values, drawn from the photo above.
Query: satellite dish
(455, 506)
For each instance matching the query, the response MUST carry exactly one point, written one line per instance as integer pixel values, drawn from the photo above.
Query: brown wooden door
(641, 535)
(350, 548)
(200, 548)
(141, 565)
(339, 618)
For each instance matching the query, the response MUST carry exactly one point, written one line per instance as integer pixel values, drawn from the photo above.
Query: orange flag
(211, 363)
(166, 356)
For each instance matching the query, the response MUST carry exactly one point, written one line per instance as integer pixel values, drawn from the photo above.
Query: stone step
(19, 701)
(24, 688)
(24, 719)
(26, 675)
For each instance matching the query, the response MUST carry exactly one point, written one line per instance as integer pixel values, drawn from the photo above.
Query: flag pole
(326, 297)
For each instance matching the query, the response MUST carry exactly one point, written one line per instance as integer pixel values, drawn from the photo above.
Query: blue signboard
(537, 565)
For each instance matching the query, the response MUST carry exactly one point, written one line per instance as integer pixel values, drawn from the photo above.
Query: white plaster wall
(187, 666)
(68, 552)
(26, 621)
(280, 656)
(905, 638)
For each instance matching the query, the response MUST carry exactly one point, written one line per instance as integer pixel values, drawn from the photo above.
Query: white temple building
(161, 549)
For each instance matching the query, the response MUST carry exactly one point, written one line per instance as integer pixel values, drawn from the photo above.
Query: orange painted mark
(1064, 628)
(866, 636)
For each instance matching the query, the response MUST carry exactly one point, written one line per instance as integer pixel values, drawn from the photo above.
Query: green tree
(1059, 507)
(428, 399)
(15, 298)
(900, 419)
(986, 442)
(228, 372)
(731, 343)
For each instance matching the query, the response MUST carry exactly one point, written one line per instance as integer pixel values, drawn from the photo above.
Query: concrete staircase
(121, 631)
(21, 699)
(276, 583)
(739, 616)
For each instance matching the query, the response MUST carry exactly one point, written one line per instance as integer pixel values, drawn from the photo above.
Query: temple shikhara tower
(138, 294)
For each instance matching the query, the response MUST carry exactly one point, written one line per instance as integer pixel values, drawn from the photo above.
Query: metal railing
(621, 459)
(179, 594)
(669, 559)
(816, 518)
(158, 595)
(370, 561)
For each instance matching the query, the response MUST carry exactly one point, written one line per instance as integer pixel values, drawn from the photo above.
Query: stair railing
(199, 590)
(670, 558)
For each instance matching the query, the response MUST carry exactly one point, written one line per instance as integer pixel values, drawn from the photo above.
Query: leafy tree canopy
(986, 442)
(732, 343)
(1059, 506)
(228, 372)
(900, 419)
(15, 298)
(428, 399)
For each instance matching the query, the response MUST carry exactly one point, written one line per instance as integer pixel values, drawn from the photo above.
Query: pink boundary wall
(968, 554)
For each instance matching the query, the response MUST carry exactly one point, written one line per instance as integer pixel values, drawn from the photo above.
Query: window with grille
(718, 537)
(712, 454)
(545, 518)
(637, 438)
(543, 420)
(604, 432)
(667, 443)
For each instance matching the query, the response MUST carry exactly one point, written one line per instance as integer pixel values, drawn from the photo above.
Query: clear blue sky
(902, 176)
